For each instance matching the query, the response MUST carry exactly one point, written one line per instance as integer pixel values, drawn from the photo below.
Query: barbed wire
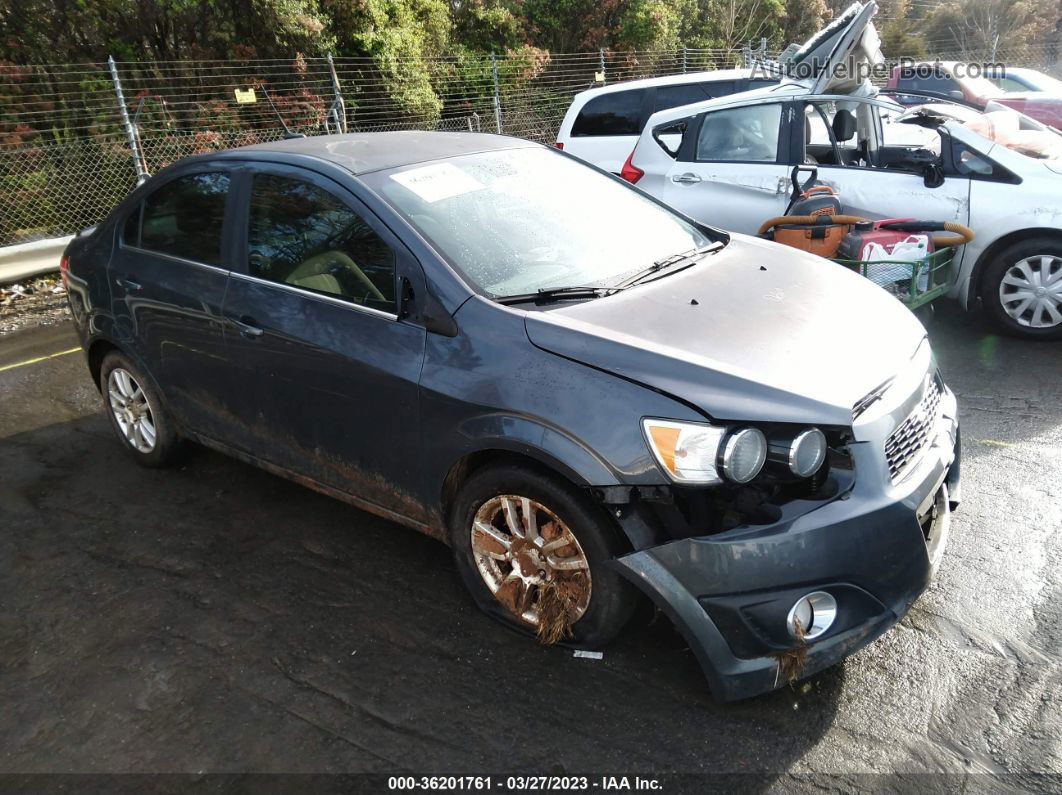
(65, 157)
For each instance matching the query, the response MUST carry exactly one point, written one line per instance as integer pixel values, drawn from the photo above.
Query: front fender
(533, 438)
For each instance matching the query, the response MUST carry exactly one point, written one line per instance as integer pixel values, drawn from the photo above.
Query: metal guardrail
(31, 259)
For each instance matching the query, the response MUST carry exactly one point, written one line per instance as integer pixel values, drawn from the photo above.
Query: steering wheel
(316, 265)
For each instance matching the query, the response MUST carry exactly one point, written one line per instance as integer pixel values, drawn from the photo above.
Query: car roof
(667, 80)
(362, 152)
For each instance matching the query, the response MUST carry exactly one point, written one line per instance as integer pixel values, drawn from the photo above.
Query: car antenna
(288, 132)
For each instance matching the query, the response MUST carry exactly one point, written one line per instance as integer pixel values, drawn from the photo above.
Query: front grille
(906, 444)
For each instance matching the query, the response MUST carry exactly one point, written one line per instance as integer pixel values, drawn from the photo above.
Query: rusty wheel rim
(522, 550)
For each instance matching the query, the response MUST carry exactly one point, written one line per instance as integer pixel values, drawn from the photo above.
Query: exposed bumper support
(729, 593)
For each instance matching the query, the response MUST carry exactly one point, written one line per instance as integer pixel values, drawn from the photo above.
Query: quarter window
(184, 218)
(616, 113)
(304, 236)
(748, 134)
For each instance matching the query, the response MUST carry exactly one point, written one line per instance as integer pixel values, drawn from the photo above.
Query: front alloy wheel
(533, 551)
(530, 561)
(131, 411)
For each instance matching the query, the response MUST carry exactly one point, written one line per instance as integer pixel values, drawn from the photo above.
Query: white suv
(603, 124)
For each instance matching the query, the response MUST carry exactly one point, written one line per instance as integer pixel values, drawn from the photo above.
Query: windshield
(982, 87)
(518, 221)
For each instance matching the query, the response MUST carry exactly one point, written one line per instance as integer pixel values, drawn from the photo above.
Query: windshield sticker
(437, 182)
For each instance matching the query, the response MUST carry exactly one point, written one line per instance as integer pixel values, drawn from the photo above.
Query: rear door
(325, 371)
(731, 169)
(168, 277)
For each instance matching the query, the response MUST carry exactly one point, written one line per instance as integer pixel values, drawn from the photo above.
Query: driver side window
(305, 237)
(748, 134)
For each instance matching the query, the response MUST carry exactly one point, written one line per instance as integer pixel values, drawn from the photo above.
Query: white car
(727, 162)
(602, 124)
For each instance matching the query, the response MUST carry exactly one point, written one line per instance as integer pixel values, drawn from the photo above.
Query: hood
(837, 59)
(755, 332)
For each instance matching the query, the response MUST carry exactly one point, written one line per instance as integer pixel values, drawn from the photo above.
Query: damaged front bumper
(874, 548)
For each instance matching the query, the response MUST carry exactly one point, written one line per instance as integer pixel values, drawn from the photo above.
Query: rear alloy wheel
(137, 413)
(533, 551)
(131, 411)
(1023, 289)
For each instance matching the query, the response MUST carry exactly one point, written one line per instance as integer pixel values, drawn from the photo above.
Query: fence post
(685, 59)
(339, 104)
(746, 56)
(130, 133)
(497, 96)
(601, 61)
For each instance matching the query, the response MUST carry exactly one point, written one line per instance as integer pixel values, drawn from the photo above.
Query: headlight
(687, 451)
(701, 454)
(745, 452)
(802, 453)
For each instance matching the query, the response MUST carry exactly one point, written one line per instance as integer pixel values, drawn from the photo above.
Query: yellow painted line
(38, 359)
(996, 442)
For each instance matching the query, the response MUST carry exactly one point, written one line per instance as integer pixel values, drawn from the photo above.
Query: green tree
(899, 36)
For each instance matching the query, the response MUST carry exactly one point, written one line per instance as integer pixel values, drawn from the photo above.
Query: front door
(730, 170)
(326, 376)
(876, 176)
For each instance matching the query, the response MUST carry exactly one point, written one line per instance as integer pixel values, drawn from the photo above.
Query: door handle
(128, 284)
(688, 178)
(245, 325)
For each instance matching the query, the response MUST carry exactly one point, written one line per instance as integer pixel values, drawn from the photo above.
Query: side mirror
(933, 175)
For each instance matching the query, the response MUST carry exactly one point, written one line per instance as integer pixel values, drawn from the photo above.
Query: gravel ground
(39, 301)
(214, 618)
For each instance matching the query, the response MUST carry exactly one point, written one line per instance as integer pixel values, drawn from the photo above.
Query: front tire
(137, 413)
(533, 552)
(1022, 289)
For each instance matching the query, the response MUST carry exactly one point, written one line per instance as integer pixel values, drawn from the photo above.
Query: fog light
(814, 613)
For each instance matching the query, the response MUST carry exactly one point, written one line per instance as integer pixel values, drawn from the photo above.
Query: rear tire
(1022, 289)
(137, 414)
(506, 572)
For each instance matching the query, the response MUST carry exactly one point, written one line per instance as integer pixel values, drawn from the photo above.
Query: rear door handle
(688, 178)
(128, 284)
(245, 325)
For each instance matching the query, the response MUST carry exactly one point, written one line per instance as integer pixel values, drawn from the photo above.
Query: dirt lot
(214, 618)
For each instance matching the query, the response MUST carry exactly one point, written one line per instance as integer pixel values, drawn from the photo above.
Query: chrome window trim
(318, 296)
(172, 257)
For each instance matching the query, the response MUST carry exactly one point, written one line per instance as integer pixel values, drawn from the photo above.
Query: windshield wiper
(689, 257)
(547, 293)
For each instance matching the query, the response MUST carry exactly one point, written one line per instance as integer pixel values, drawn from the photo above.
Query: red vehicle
(951, 79)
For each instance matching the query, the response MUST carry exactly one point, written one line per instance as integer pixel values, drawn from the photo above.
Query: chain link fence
(74, 138)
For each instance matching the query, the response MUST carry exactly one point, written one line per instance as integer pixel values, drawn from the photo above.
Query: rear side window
(673, 96)
(184, 218)
(304, 236)
(618, 113)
